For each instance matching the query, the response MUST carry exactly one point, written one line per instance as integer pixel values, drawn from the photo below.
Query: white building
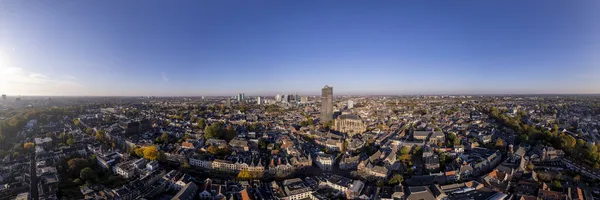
(350, 104)
(258, 100)
(324, 161)
(125, 169)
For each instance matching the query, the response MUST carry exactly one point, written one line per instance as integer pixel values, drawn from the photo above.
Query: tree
(87, 174)
(577, 178)
(530, 166)
(201, 123)
(70, 141)
(556, 185)
(89, 130)
(76, 121)
(212, 149)
(76, 164)
(404, 150)
(396, 179)
(139, 152)
(244, 175)
(230, 133)
(215, 130)
(499, 143)
(150, 153)
(380, 183)
(28, 146)
(164, 137)
(185, 164)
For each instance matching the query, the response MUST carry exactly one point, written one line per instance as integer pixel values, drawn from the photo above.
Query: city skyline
(221, 49)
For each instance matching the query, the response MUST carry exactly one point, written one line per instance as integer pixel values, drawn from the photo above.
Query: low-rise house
(349, 162)
(239, 144)
(189, 192)
(420, 193)
(421, 135)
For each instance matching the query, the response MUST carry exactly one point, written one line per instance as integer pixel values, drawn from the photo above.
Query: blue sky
(269, 47)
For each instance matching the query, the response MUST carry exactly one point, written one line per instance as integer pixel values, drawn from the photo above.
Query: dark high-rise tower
(327, 104)
(3, 97)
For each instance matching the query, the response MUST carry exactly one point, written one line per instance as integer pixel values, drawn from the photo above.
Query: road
(33, 183)
(585, 171)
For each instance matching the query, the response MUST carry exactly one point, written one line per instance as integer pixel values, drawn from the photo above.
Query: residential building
(188, 192)
(125, 169)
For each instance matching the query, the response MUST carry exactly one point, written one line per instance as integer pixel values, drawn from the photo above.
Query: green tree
(396, 179)
(556, 185)
(89, 130)
(380, 183)
(215, 130)
(201, 123)
(230, 133)
(100, 136)
(88, 174)
(76, 121)
(164, 137)
(70, 141)
(404, 150)
(530, 166)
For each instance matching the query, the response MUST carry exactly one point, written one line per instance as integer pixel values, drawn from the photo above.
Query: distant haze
(195, 48)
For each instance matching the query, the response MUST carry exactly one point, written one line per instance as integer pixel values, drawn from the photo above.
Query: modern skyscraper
(3, 97)
(240, 97)
(326, 104)
(258, 100)
(278, 98)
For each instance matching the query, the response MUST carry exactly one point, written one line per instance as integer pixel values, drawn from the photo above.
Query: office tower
(3, 97)
(243, 96)
(297, 98)
(327, 104)
(240, 97)
(278, 98)
(350, 104)
(258, 100)
(304, 99)
(284, 98)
